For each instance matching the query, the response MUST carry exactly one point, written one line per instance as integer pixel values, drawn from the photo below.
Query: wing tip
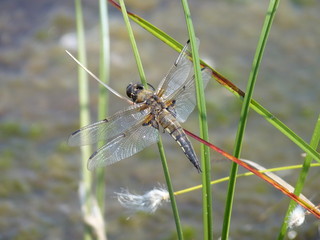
(205, 68)
(91, 165)
(70, 140)
(197, 41)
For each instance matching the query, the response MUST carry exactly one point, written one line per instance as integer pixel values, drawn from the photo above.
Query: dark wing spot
(93, 154)
(74, 133)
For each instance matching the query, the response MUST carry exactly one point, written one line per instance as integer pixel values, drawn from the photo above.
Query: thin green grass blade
(244, 113)
(228, 85)
(152, 29)
(86, 180)
(83, 79)
(170, 190)
(160, 145)
(301, 179)
(104, 70)
(133, 44)
(205, 151)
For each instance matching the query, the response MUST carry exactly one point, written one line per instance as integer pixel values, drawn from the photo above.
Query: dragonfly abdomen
(172, 126)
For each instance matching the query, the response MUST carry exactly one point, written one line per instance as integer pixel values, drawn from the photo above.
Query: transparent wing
(124, 145)
(185, 96)
(179, 72)
(109, 127)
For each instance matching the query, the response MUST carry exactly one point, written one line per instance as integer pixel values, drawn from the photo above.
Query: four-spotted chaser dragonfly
(131, 130)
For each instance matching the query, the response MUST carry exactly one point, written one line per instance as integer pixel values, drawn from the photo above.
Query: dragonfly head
(134, 90)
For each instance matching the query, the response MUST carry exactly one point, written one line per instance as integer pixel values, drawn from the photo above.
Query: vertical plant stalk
(205, 151)
(160, 145)
(133, 44)
(170, 190)
(301, 179)
(104, 70)
(86, 177)
(244, 113)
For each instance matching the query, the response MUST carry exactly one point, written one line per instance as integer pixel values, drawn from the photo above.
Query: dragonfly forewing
(124, 145)
(109, 127)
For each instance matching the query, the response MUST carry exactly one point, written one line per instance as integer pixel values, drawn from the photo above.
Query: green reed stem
(104, 70)
(86, 176)
(301, 179)
(133, 44)
(170, 189)
(205, 151)
(160, 145)
(244, 113)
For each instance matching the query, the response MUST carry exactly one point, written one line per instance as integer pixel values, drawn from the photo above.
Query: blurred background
(39, 110)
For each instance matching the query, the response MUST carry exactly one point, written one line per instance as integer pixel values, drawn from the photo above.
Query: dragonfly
(129, 131)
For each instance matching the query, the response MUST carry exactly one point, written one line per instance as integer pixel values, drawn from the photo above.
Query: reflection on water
(39, 109)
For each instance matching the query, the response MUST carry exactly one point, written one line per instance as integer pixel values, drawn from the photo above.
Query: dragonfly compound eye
(134, 89)
(130, 90)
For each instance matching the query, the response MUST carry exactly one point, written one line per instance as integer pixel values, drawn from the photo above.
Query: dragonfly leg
(153, 123)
